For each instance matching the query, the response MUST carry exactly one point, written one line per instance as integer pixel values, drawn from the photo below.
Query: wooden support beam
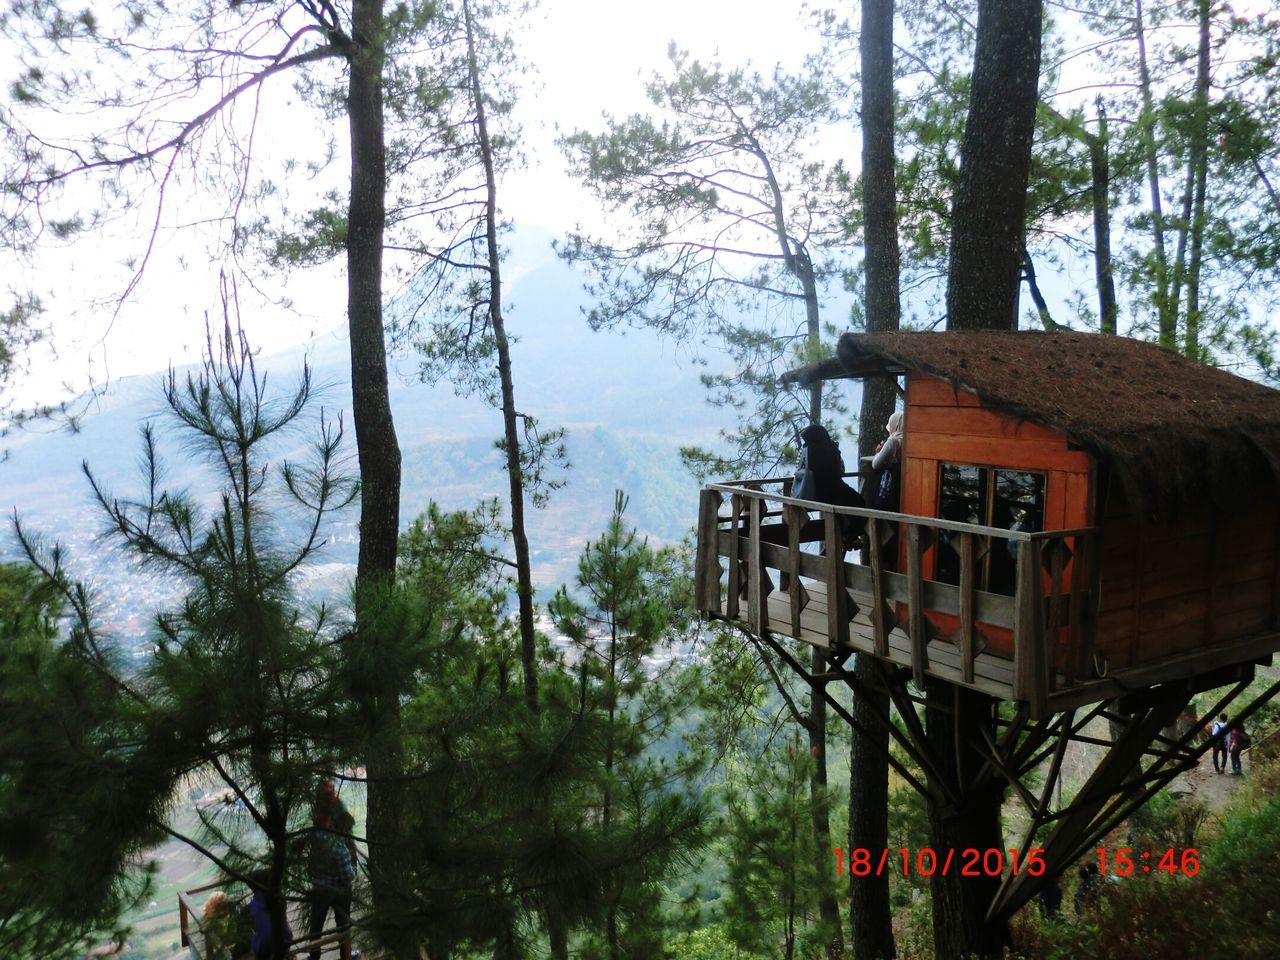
(1029, 800)
(839, 709)
(917, 743)
(915, 607)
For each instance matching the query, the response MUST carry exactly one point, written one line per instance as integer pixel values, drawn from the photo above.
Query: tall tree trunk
(955, 718)
(820, 810)
(1101, 174)
(1200, 170)
(376, 444)
(510, 416)
(982, 293)
(871, 919)
(1147, 125)
(988, 221)
(819, 795)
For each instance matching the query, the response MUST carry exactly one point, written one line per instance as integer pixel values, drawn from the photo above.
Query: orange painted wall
(1165, 587)
(946, 425)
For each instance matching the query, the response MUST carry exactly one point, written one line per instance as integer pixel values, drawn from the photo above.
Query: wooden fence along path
(1034, 646)
(332, 943)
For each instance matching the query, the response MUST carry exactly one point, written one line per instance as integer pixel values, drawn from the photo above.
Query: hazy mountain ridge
(626, 404)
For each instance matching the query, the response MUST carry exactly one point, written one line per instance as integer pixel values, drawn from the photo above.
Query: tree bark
(376, 443)
(989, 212)
(1101, 175)
(820, 810)
(879, 178)
(1167, 322)
(988, 225)
(954, 717)
(871, 918)
(510, 416)
(1200, 169)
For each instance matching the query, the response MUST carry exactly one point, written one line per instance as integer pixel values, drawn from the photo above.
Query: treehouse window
(1009, 499)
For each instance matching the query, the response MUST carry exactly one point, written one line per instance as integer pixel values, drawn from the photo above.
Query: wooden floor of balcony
(992, 674)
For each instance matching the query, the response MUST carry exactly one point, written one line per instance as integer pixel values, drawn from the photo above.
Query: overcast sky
(588, 58)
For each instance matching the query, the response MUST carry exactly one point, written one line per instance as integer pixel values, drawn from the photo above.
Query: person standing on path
(331, 865)
(1237, 740)
(1218, 736)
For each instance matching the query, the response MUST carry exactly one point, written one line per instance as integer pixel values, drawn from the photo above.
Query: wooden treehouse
(1089, 526)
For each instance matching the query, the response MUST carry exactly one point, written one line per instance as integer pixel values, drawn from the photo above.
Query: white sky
(588, 57)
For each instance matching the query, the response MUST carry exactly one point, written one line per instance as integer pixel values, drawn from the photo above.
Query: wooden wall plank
(924, 390)
(1011, 454)
(978, 424)
(1077, 500)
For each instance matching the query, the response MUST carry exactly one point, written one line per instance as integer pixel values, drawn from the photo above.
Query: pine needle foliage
(239, 693)
(510, 847)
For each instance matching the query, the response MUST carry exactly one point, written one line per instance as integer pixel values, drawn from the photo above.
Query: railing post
(915, 603)
(1073, 662)
(733, 600)
(968, 644)
(795, 518)
(707, 565)
(755, 569)
(878, 625)
(1029, 680)
(837, 606)
(1057, 565)
(183, 937)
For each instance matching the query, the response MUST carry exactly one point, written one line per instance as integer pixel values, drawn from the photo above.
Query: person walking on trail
(1218, 736)
(331, 863)
(262, 941)
(1237, 740)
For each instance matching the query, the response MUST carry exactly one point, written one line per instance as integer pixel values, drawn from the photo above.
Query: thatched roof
(1174, 431)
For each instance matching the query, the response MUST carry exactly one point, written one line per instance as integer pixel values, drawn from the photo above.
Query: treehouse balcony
(1082, 517)
(773, 564)
(932, 599)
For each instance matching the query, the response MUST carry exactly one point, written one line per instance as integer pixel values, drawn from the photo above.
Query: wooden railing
(192, 933)
(1024, 646)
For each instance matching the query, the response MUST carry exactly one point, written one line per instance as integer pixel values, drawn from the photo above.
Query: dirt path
(1214, 790)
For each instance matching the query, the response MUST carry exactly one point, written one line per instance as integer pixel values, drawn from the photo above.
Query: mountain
(627, 400)
(626, 403)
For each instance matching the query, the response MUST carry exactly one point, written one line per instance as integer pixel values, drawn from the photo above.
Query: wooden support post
(968, 640)
(755, 570)
(915, 603)
(1057, 565)
(837, 598)
(707, 566)
(1028, 629)
(878, 625)
(1077, 657)
(734, 598)
(795, 518)
(1093, 581)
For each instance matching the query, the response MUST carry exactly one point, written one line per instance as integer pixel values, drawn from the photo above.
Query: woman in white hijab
(890, 449)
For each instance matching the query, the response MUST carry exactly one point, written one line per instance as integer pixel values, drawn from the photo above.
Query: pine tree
(559, 818)
(624, 631)
(240, 688)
